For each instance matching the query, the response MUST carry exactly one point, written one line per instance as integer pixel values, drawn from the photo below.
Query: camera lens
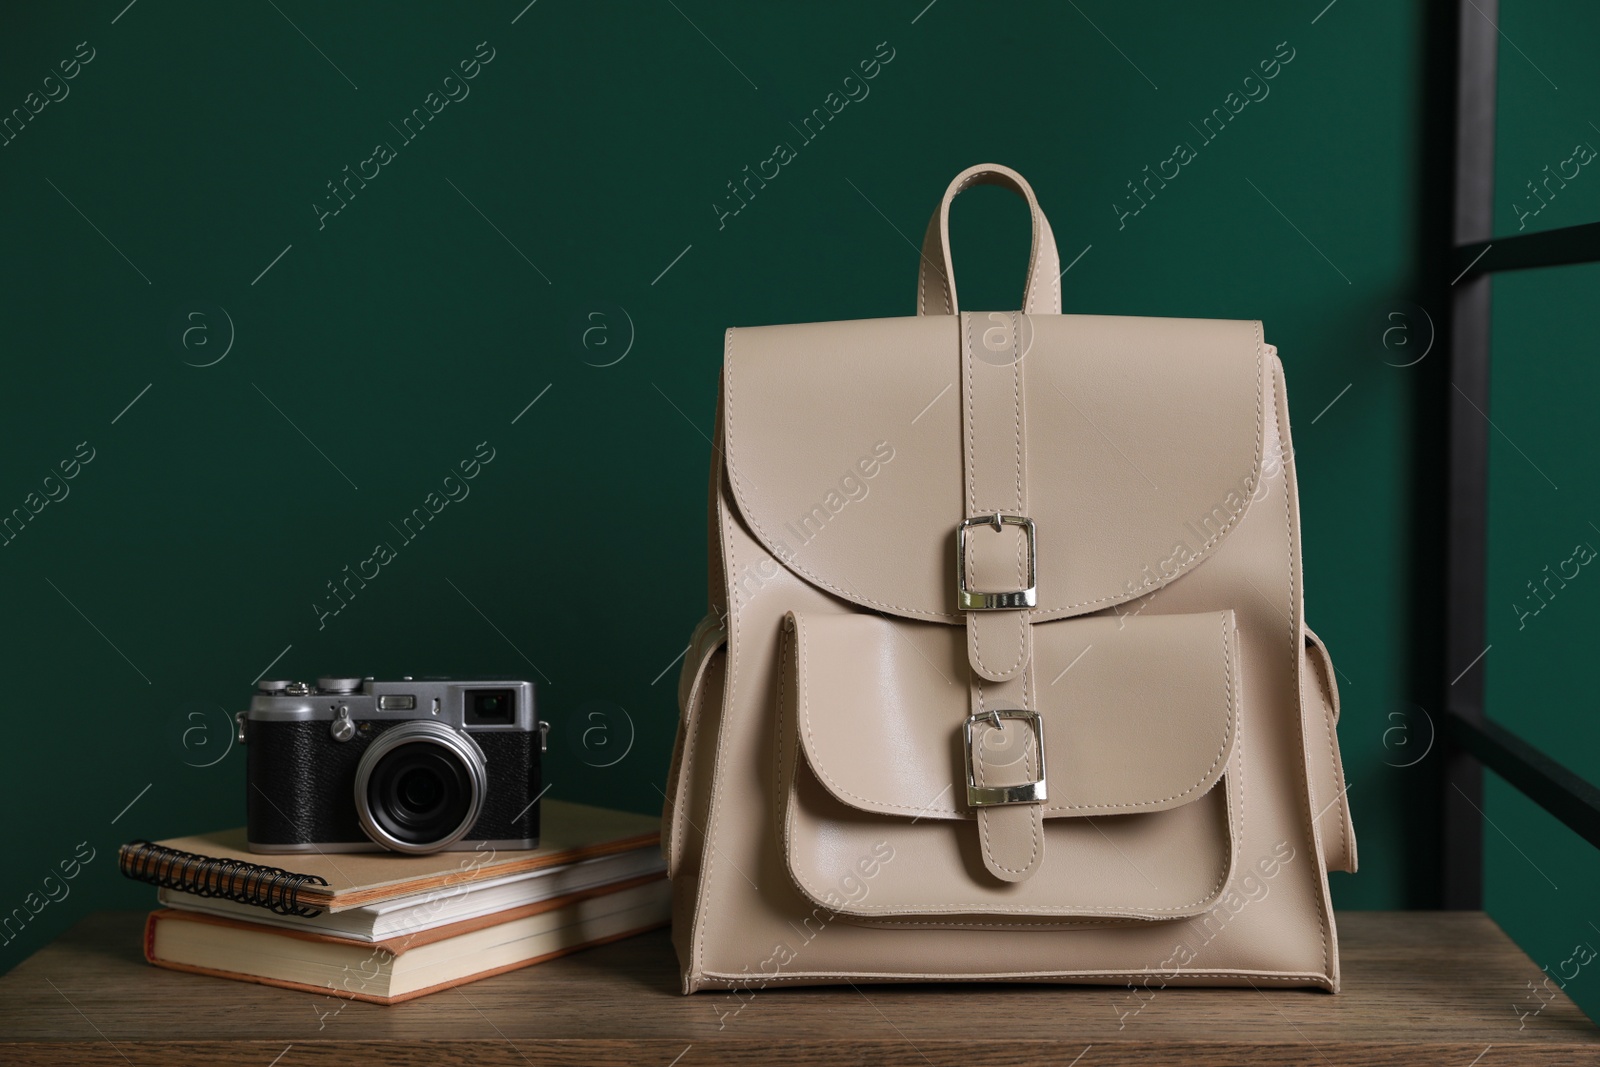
(419, 787)
(421, 791)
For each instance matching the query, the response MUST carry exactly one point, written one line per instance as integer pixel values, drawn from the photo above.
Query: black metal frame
(1471, 741)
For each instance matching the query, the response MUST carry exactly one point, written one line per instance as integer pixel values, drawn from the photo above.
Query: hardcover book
(399, 968)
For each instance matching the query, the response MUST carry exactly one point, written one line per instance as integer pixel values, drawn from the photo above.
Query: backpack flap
(845, 447)
(1137, 718)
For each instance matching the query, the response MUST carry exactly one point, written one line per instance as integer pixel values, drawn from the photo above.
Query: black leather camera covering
(302, 783)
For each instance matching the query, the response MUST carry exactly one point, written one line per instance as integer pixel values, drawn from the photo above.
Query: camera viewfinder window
(491, 707)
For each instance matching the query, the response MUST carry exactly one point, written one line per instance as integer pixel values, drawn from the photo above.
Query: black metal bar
(1550, 248)
(1541, 779)
(1433, 237)
(1466, 553)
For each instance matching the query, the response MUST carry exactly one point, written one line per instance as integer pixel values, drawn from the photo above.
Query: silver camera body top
(441, 700)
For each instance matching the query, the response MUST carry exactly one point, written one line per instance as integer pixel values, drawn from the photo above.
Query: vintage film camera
(416, 765)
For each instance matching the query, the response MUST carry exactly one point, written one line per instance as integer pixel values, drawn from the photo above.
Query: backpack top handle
(936, 280)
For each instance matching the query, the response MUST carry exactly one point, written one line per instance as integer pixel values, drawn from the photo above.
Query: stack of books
(383, 927)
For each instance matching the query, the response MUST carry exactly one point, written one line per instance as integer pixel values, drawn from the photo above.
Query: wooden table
(1421, 988)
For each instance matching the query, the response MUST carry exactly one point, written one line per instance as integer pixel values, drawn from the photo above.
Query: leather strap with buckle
(996, 587)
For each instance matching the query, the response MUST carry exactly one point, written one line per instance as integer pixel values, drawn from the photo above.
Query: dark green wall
(1545, 492)
(1544, 591)
(566, 212)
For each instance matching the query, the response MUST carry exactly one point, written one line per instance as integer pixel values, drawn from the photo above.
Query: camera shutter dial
(338, 685)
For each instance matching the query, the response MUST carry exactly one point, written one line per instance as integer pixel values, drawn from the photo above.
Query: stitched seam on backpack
(945, 924)
(685, 768)
(1027, 909)
(975, 627)
(778, 711)
(803, 704)
(709, 853)
(1236, 813)
(1306, 978)
(1338, 802)
(1016, 417)
(1060, 308)
(966, 367)
(1296, 642)
(686, 775)
(678, 839)
(790, 794)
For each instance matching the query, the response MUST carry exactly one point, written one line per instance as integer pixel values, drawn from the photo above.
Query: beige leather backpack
(1005, 675)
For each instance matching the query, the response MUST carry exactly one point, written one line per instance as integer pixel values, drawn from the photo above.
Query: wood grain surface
(1421, 988)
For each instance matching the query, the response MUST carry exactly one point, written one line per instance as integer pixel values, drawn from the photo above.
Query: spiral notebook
(440, 907)
(219, 865)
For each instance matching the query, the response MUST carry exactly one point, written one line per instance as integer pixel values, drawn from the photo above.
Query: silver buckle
(985, 796)
(972, 600)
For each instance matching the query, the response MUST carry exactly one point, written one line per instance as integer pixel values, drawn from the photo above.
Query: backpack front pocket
(1136, 720)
